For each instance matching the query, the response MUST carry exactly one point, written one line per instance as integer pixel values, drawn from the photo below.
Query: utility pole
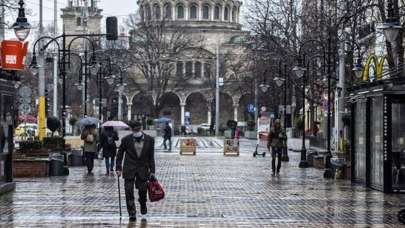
(55, 62)
(217, 96)
(340, 98)
(41, 80)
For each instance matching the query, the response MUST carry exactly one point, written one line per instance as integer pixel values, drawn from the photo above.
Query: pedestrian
(90, 138)
(276, 141)
(167, 136)
(107, 143)
(237, 135)
(138, 168)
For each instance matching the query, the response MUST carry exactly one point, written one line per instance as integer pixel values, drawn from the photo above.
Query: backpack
(110, 140)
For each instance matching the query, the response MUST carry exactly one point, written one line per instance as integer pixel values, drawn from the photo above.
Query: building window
(79, 21)
(197, 69)
(234, 14)
(193, 12)
(148, 13)
(207, 70)
(189, 69)
(141, 12)
(180, 11)
(226, 14)
(206, 12)
(179, 69)
(217, 12)
(156, 11)
(168, 11)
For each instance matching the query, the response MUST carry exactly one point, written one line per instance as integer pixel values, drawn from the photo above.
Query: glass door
(398, 144)
(360, 159)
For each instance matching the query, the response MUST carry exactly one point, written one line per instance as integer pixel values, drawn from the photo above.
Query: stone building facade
(217, 23)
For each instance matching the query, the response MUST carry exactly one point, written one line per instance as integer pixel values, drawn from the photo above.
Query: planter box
(231, 147)
(31, 167)
(251, 134)
(188, 147)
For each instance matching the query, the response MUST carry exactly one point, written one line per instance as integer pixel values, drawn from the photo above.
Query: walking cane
(119, 195)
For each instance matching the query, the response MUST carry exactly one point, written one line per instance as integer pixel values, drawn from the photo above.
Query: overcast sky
(119, 8)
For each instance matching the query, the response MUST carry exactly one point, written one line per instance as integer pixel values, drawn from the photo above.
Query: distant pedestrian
(276, 141)
(137, 151)
(107, 143)
(237, 135)
(90, 138)
(167, 136)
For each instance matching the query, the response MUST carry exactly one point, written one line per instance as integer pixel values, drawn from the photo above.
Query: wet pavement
(207, 190)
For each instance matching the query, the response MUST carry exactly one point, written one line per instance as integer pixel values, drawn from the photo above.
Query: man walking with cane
(138, 167)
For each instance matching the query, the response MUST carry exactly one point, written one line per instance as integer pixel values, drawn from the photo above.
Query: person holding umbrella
(138, 168)
(107, 143)
(90, 138)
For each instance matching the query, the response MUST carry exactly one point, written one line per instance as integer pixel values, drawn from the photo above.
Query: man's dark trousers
(276, 152)
(130, 196)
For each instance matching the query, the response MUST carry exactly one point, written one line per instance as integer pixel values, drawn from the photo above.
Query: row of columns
(233, 12)
(183, 112)
(193, 68)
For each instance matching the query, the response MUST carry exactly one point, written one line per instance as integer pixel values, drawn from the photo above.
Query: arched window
(156, 12)
(168, 11)
(141, 12)
(179, 69)
(189, 69)
(217, 13)
(226, 13)
(180, 11)
(206, 12)
(193, 11)
(197, 69)
(234, 14)
(148, 13)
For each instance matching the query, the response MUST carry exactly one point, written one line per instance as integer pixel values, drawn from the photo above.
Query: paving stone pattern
(207, 190)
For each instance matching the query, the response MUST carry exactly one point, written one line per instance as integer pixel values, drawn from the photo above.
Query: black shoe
(132, 218)
(144, 209)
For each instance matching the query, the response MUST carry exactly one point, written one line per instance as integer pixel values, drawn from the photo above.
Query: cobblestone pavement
(207, 190)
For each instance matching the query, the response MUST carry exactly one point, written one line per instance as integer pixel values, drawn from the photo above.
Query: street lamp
(300, 71)
(358, 69)
(21, 27)
(264, 87)
(391, 27)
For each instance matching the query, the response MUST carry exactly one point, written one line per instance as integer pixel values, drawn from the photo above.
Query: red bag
(155, 191)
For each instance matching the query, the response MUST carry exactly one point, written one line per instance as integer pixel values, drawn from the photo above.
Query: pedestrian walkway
(207, 190)
(204, 144)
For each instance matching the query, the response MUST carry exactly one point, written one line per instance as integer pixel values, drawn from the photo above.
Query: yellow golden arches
(377, 63)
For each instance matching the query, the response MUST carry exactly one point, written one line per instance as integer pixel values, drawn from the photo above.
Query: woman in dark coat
(107, 143)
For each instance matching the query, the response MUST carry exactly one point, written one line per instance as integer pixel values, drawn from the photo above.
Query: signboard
(13, 54)
(251, 108)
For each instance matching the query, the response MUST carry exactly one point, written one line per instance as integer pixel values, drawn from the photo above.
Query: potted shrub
(72, 121)
(31, 148)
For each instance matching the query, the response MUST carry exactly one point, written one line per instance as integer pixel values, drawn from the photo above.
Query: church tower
(81, 17)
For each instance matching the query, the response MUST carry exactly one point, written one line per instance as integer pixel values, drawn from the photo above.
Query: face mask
(138, 134)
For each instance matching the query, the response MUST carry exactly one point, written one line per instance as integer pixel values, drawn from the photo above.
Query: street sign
(251, 108)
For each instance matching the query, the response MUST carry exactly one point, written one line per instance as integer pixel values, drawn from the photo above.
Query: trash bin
(310, 157)
(76, 158)
(56, 165)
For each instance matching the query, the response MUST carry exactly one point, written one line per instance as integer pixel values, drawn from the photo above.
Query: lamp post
(300, 72)
(106, 74)
(64, 59)
(282, 80)
(21, 27)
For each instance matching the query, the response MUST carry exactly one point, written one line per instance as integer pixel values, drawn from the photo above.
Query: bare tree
(156, 45)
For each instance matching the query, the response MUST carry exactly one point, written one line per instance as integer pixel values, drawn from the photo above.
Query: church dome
(211, 14)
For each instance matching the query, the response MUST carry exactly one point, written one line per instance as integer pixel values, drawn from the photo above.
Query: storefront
(378, 134)
(7, 119)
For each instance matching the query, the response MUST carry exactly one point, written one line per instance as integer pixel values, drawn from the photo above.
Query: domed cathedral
(214, 31)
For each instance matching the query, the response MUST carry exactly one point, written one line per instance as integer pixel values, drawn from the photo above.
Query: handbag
(155, 191)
